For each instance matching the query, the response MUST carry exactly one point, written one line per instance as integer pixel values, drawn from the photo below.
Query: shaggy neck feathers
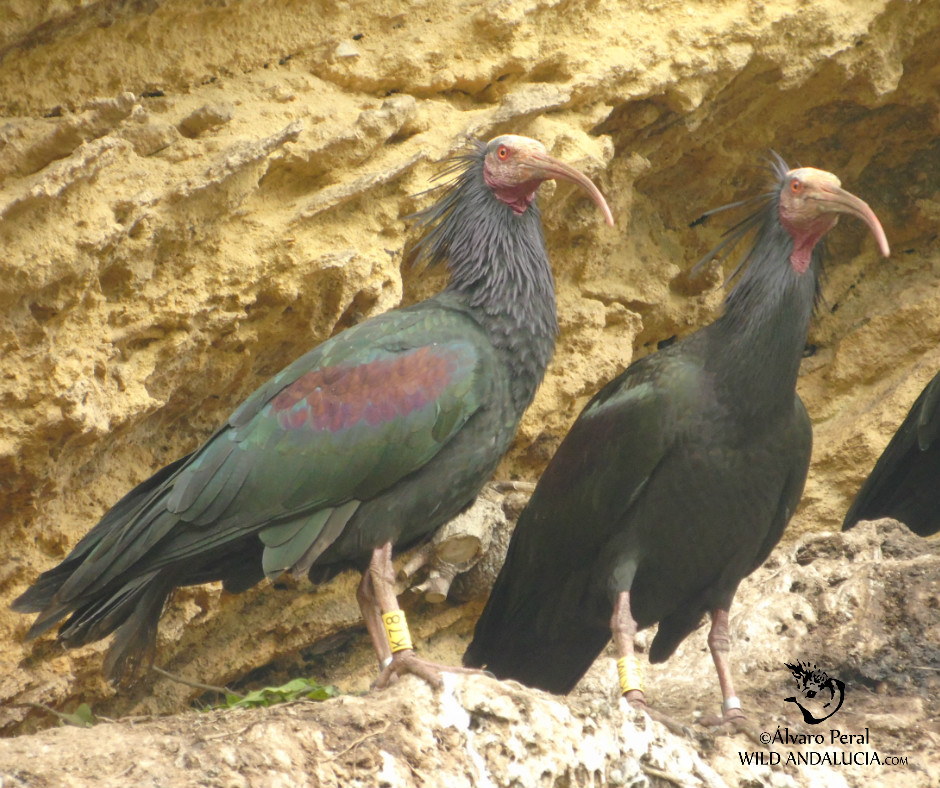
(498, 268)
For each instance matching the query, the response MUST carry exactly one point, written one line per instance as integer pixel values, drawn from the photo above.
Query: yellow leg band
(631, 676)
(399, 638)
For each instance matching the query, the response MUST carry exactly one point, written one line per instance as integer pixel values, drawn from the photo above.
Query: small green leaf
(295, 686)
(269, 696)
(82, 717)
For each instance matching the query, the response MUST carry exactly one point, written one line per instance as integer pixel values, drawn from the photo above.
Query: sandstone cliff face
(191, 195)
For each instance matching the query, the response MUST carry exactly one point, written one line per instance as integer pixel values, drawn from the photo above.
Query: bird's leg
(365, 596)
(623, 628)
(719, 643)
(395, 662)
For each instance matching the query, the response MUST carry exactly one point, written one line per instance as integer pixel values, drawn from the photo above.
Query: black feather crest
(433, 248)
(764, 204)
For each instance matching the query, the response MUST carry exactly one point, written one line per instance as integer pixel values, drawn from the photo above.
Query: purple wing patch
(335, 398)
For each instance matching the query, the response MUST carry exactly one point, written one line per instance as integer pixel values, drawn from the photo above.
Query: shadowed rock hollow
(192, 195)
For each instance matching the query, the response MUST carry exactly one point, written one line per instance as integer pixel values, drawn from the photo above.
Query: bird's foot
(637, 700)
(407, 662)
(734, 720)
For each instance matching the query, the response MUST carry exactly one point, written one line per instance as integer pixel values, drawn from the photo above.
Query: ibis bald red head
(810, 203)
(514, 168)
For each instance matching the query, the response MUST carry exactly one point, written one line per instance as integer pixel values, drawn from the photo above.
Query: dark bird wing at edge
(544, 544)
(905, 482)
(363, 410)
(589, 474)
(580, 508)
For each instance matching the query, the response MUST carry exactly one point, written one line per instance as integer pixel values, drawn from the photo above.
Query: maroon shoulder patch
(335, 398)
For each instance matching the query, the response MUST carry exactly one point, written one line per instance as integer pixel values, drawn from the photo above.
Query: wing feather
(340, 425)
(598, 472)
(331, 530)
(283, 555)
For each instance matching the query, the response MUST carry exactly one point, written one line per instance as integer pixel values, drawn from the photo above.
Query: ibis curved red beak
(838, 200)
(544, 167)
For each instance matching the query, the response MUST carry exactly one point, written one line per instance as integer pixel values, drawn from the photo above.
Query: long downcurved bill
(545, 167)
(840, 201)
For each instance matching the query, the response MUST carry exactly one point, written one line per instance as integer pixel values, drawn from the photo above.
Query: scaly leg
(623, 628)
(719, 643)
(382, 587)
(365, 596)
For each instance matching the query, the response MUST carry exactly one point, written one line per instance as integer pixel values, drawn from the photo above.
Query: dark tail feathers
(543, 643)
(132, 611)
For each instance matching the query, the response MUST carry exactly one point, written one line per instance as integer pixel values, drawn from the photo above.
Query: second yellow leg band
(631, 676)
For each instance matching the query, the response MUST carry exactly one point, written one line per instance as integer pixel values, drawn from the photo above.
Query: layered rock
(192, 196)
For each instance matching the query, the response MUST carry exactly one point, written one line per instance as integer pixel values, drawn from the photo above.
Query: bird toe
(407, 661)
(732, 721)
(637, 700)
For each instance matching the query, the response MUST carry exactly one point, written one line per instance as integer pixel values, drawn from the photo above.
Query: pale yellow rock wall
(192, 194)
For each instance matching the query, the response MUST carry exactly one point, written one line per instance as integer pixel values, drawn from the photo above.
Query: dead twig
(511, 486)
(196, 684)
(43, 707)
(357, 742)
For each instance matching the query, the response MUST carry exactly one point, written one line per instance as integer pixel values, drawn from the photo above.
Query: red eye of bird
(796, 186)
(503, 152)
